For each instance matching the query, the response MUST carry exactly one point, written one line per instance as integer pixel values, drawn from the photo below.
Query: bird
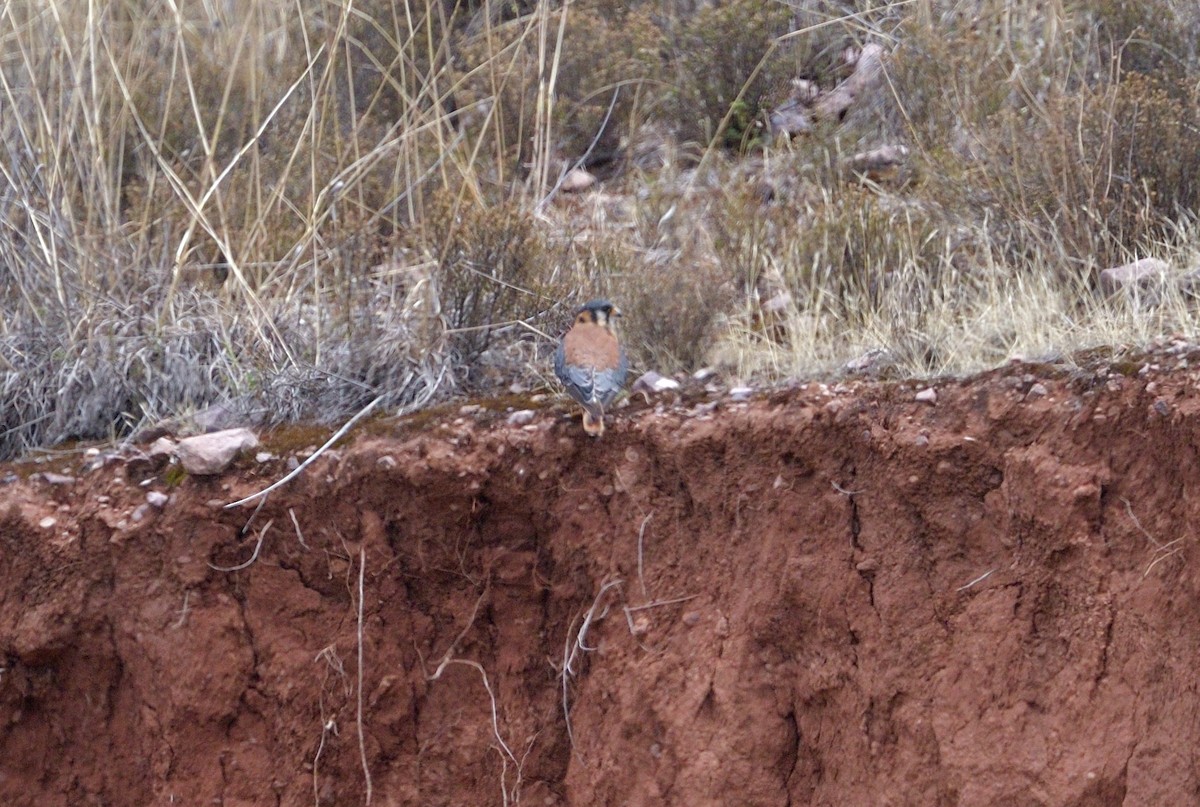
(591, 363)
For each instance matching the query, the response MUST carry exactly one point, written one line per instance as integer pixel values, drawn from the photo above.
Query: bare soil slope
(815, 598)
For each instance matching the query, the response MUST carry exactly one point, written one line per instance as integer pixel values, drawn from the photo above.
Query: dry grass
(294, 208)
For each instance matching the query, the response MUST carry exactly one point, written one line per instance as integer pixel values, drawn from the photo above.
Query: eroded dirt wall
(812, 599)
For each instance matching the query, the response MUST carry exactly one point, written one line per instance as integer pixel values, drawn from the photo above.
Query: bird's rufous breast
(590, 345)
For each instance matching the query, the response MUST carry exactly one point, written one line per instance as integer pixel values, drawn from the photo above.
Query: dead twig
(570, 649)
(1138, 524)
(296, 524)
(509, 793)
(1163, 554)
(979, 579)
(1161, 551)
(300, 468)
(183, 612)
(658, 603)
(262, 534)
(641, 535)
(362, 741)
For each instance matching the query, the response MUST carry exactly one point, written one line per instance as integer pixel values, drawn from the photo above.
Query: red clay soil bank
(812, 598)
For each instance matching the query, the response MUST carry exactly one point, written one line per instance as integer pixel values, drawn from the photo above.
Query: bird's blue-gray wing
(608, 384)
(580, 382)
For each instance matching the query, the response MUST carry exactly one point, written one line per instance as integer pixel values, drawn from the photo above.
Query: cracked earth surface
(815, 597)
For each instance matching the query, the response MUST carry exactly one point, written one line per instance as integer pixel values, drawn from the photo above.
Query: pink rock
(207, 454)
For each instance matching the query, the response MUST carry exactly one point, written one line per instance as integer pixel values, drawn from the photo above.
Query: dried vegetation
(292, 208)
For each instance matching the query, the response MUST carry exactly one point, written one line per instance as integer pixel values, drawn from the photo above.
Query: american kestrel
(591, 363)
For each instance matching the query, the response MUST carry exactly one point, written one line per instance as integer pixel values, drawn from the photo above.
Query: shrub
(1101, 171)
(490, 269)
(724, 62)
(593, 69)
(1150, 36)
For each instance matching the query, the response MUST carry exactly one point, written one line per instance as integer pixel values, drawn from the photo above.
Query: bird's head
(598, 312)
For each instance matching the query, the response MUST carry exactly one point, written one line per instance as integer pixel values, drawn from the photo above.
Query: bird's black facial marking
(599, 312)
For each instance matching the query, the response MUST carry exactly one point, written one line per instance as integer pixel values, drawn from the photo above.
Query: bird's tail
(593, 418)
